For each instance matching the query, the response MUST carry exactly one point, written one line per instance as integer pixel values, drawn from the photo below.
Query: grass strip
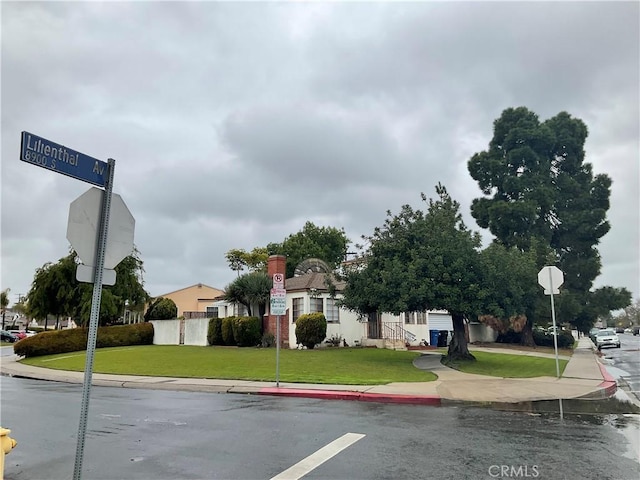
(510, 366)
(344, 366)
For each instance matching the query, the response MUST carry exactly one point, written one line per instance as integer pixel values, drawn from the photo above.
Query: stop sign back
(82, 228)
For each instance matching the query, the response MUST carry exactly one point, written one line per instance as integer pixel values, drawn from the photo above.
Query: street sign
(278, 301)
(53, 156)
(550, 278)
(82, 228)
(278, 280)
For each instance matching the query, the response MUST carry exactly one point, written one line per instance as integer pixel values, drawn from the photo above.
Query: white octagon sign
(550, 278)
(82, 228)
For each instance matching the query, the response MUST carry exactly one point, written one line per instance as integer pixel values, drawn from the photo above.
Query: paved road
(624, 362)
(144, 434)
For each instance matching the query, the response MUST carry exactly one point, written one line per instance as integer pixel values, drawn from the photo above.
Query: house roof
(197, 285)
(312, 280)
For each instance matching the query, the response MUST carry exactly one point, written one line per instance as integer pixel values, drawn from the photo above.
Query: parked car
(17, 333)
(607, 338)
(592, 334)
(619, 330)
(636, 330)
(7, 337)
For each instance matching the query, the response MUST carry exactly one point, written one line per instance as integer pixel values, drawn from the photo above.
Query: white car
(607, 338)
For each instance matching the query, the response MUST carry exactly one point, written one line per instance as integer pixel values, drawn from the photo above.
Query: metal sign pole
(95, 316)
(555, 338)
(278, 351)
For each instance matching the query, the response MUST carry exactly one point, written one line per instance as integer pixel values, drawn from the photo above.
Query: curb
(351, 395)
(609, 385)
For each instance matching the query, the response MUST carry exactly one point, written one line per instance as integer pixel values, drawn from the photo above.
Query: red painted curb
(348, 395)
(609, 384)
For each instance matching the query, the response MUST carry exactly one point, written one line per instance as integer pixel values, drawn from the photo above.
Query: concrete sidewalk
(584, 377)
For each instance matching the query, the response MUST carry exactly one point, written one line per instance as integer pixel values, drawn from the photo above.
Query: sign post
(550, 278)
(103, 230)
(60, 159)
(277, 307)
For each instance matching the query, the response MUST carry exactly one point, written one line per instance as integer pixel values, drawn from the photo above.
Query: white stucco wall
(481, 333)
(166, 332)
(195, 331)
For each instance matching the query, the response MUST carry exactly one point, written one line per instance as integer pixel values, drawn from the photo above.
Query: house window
(332, 313)
(409, 317)
(297, 305)
(422, 318)
(315, 305)
(212, 312)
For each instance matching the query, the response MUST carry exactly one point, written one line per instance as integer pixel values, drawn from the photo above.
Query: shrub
(214, 333)
(311, 329)
(509, 337)
(227, 331)
(73, 340)
(161, 309)
(246, 331)
(335, 340)
(268, 340)
(565, 339)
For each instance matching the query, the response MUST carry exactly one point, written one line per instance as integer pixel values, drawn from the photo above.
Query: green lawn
(347, 366)
(511, 366)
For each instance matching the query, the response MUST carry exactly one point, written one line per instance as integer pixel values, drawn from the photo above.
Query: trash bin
(442, 338)
(433, 338)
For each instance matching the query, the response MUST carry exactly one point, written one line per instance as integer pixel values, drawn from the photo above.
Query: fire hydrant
(7, 443)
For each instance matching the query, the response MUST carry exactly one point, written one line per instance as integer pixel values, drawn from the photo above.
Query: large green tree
(423, 261)
(254, 261)
(326, 243)
(55, 291)
(538, 188)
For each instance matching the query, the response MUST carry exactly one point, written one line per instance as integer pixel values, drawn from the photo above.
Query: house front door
(374, 325)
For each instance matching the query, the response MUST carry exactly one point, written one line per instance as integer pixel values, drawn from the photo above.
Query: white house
(309, 292)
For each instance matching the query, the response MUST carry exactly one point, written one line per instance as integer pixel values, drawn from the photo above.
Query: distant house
(193, 301)
(313, 288)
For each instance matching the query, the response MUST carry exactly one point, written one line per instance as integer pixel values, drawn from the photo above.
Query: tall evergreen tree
(537, 187)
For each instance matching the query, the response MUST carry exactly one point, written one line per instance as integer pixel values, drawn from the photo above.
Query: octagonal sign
(82, 228)
(550, 278)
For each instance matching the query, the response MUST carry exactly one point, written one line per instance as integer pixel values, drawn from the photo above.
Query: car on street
(636, 330)
(18, 334)
(592, 334)
(7, 337)
(607, 338)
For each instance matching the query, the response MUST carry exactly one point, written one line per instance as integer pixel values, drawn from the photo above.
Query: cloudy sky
(232, 124)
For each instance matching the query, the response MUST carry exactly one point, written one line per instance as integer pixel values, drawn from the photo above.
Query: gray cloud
(232, 124)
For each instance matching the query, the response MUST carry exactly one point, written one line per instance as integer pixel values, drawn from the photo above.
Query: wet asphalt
(154, 434)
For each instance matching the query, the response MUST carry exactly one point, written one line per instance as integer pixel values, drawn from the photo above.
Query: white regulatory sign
(278, 301)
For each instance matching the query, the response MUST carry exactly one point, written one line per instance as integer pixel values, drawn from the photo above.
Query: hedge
(74, 340)
(214, 333)
(311, 329)
(246, 331)
(227, 331)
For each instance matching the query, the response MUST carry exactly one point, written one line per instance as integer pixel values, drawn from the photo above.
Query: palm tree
(251, 289)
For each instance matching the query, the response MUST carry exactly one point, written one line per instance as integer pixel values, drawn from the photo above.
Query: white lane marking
(316, 459)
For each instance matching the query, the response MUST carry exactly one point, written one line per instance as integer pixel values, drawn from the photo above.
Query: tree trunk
(458, 348)
(526, 335)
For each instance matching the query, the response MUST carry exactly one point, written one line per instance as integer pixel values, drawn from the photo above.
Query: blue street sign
(47, 154)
